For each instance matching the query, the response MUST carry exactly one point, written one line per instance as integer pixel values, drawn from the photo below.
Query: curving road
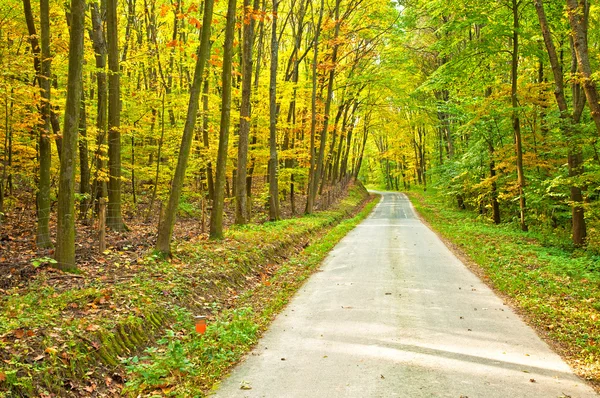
(395, 314)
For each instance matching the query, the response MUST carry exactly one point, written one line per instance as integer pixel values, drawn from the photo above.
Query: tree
(241, 210)
(331, 80)
(515, 114)
(165, 232)
(273, 163)
(99, 44)
(114, 218)
(313, 176)
(42, 62)
(65, 239)
(577, 10)
(575, 155)
(216, 218)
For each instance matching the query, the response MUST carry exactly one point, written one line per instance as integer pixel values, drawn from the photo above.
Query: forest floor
(88, 334)
(556, 289)
(20, 258)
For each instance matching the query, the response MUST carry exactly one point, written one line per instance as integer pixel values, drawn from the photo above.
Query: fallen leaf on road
(244, 385)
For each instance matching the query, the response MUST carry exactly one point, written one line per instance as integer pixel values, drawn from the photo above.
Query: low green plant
(36, 262)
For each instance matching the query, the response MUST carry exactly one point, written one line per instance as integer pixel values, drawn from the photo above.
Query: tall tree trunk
(205, 140)
(5, 157)
(344, 166)
(165, 232)
(273, 163)
(216, 218)
(319, 163)
(158, 157)
(327, 111)
(254, 140)
(363, 145)
(575, 156)
(494, 189)
(443, 96)
(577, 12)
(43, 197)
(515, 114)
(99, 43)
(128, 28)
(43, 76)
(65, 240)
(114, 218)
(312, 175)
(241, 203)
(292, 72)
(84, 165)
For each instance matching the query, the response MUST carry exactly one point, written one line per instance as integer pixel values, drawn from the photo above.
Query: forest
(274, 104)
(127, 113)
(132, 129)
(498, 110)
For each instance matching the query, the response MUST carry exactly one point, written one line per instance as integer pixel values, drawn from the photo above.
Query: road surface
(393, 313)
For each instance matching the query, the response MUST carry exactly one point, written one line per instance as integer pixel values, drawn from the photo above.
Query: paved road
(394, 314)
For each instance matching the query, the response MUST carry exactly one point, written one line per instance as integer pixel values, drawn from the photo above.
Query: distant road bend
(395, 314)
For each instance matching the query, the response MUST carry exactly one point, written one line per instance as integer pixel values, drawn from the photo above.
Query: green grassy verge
(556, 289)
(71, 335)
(186, 364)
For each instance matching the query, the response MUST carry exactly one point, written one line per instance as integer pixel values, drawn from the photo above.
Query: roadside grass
(555, 288)
(184, 363)
(70, 334)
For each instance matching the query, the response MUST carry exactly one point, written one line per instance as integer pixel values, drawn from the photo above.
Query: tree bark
(575, 155)
(273, 163)
(260, 39)
(344, 166)
(515, 114)
(312, 176)
(84, 165)
(43, 76)
(241, 208)
(494, 190)
(216, 219)
(65, 241)
(205, 140)
(577, 12)
(327, 111)
(45, 147)
(165, 232)
(99, 44)
(114, 218)
(363, 145)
